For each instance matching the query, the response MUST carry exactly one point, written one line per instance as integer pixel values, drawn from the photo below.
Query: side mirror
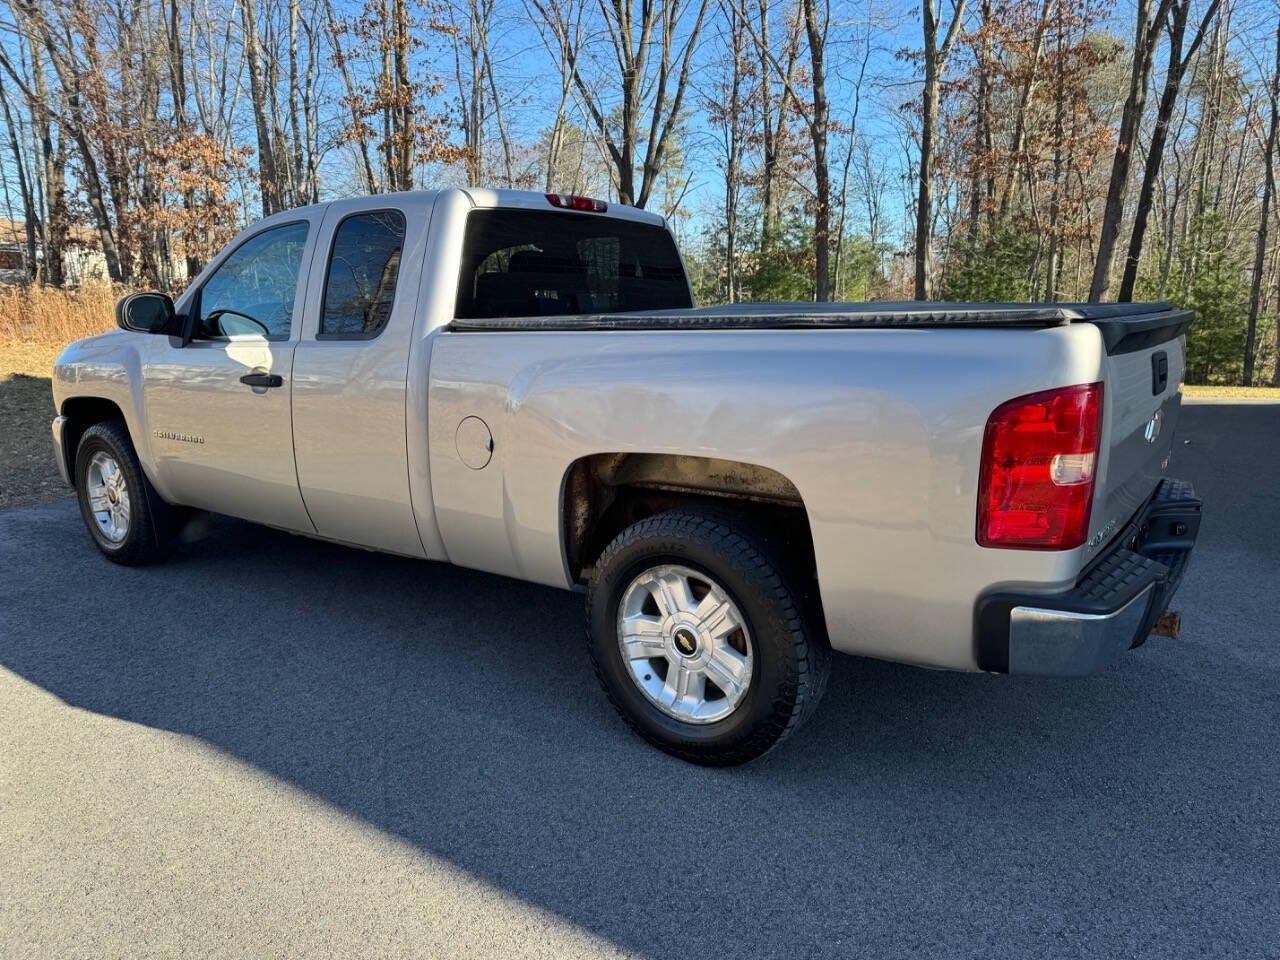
(147, 313)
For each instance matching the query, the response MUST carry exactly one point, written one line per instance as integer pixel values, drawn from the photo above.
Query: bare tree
(727, 104)
(852, 142)
(980, 172)
(478, 94)
(816, 26)
(1029, 75)
(774, 114)
(71, 73)
(647, 95)
(1174, 72)
(28, 205)
(935, 59)
(1147, 31)
(1260, 247)
(268, 175)
(357, 130)
(390, 92)
(562, 34)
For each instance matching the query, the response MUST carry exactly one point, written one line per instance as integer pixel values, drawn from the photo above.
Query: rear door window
(526, 263)
(360, 285)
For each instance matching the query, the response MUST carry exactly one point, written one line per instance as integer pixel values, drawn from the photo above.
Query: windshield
(526, 263)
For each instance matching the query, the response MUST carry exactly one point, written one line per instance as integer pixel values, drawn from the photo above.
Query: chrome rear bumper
(1112, 606)
(1062, 643)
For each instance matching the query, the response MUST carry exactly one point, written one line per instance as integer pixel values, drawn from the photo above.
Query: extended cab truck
(519, 383)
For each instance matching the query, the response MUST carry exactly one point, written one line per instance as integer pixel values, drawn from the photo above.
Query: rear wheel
(700, 640)
(117, 503)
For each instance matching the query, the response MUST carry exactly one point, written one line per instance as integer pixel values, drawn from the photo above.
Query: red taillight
(1039, 461)
(581, 204)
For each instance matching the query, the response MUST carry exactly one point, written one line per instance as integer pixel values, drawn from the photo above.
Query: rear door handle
(262, 380)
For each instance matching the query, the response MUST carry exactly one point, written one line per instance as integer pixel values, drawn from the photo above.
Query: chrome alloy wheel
(108, 496)
(685, 643)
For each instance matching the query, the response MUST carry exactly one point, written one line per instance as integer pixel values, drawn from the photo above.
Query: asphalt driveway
(271, 746)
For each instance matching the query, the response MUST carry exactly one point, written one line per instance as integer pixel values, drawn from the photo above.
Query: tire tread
(148, 540)
(731, 537)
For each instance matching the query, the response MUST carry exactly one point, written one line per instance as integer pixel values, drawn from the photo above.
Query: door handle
(262, 380)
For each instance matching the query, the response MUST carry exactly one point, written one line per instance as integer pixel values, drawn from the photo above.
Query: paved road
(273, 746)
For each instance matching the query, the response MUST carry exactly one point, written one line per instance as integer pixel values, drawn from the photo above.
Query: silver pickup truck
(519, 383)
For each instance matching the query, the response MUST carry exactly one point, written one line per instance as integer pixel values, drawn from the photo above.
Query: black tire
(149, 535)
(791, 658)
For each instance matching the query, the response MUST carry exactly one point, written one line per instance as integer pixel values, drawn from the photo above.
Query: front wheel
(699, 639)
(116, 501)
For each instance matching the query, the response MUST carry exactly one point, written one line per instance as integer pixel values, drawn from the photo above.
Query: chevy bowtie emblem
(686, 642)
(1152, 430)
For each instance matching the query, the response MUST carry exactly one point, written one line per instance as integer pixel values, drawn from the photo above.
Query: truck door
(218, 408)
(350, 369)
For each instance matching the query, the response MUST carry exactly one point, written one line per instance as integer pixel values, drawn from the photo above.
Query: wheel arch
(604, 493)
(81, 413)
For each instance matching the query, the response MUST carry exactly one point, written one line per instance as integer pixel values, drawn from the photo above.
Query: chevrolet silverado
(520, 383)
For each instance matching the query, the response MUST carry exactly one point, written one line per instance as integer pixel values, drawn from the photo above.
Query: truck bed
(1124, 326)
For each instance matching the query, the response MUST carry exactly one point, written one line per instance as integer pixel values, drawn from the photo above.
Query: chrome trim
(1059, 643)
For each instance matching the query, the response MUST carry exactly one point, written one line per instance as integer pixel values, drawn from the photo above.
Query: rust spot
(1168, 624)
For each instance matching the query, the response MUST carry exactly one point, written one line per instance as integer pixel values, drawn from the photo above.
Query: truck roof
(531, 200)
(481, 197)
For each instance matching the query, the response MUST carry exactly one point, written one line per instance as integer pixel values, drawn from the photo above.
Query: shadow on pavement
(1133, 813)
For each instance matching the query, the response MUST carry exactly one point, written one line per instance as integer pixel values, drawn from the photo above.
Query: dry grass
(28, 359)
(28, 472)
(35, 314)
(1232, 393)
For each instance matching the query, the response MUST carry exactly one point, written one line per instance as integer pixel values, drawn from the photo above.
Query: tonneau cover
(1124, 326)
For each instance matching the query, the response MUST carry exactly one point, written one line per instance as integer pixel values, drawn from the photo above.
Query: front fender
(96, 372)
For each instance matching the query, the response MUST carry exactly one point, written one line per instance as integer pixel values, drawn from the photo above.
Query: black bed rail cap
(1124, 326)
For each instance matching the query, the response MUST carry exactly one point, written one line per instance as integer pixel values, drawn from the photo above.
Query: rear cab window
(529, 263)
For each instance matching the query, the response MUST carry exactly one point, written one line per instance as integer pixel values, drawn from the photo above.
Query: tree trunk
(769, 172)
(1019, 136)
(982, 126)
(1174, 73)
(178, 89)
(295, 122)
(772, 127)
(1146, 34)
(817, 32)
(935, 58)
(733, 153)
(406, 122)
(268, 181)
(28, 208)
(1260, 250)
(928, 122)
(357, 124)
(76, 121)
(93, 187)
(1055, 196)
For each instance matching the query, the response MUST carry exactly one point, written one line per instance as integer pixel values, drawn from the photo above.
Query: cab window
(360, 285)
(528, 263)
(252, 291)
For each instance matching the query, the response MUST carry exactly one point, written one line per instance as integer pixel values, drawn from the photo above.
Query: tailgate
(1142, 375)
